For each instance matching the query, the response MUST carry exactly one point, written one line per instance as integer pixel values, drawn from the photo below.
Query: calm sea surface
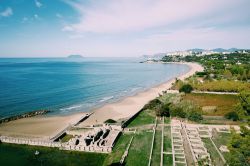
(65, 85)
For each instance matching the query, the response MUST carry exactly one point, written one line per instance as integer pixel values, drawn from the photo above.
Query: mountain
(219, 50)
(75, 56)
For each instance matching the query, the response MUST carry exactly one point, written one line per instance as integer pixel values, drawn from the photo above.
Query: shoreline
(130, 105)
(121, 109)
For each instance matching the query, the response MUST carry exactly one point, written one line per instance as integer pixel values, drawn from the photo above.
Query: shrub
(110, 121)
(232, 115)
(201, 74)
(177, 112)
(195, 116)
(152, 104)
(162, 110)
(186, 88)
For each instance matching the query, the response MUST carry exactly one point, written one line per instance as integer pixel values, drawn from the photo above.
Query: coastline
(129, 106)
(38, 126)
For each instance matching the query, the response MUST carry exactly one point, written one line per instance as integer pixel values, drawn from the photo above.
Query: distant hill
(75, 56)
(216, 50)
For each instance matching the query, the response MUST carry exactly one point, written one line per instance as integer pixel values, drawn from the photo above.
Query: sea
(67, 85)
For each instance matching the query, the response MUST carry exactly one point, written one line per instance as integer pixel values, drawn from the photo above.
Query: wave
(71, 107)
(106, 98)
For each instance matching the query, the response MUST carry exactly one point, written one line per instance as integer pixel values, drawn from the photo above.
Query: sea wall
(25, 115)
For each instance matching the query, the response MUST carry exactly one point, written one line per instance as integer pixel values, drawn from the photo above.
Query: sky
(120, 28)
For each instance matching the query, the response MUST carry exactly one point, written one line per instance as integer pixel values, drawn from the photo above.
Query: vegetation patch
(140, 149)
(167, 144)
(215, 157)
(222, 139)
(145, 117)
(186, 88)
(223, 102)
(156, 156)
(66, 138)
(115, 156)
(222, 86)
(110, 121)
(167, 159)
(23, 155)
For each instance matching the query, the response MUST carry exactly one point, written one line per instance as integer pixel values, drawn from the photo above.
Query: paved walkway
(187, 150)
(217, 93)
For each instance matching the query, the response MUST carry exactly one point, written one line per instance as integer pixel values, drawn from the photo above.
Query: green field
(23, 155)
(222, 139)
(140, 149)
(145, 117)
(167, 144)
(218, 120)
(66, 138)
(156, 156)
(215, 157)
(223, 103)
(119, 149)
(167, 159)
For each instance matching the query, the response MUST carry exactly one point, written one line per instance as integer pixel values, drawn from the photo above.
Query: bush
(162, 110)
(201, 74)
(110, 121)
(177, 112)
(195, 116)
(152, 104)
(186, 88)
(232, 115)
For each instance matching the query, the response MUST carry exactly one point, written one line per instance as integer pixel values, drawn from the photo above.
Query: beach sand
(41, 126)
(131, 105)
(38, 127)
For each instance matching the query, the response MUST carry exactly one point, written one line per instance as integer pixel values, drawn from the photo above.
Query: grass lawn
(156, 156)
(144, 118)
(120, 147)
(140, 149)
(23, 155)
(166, 120)
(215, 157)
(222, 139)
(66, 138)
(223, 103)
(167, 144)
(167, 159)
(218, 120)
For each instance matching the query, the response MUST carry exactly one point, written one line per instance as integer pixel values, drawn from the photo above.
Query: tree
(186, 88)
(240, 148)
(176, 111)
(195, 116)
(152, 104)
(232, 115)
(163, 110)
(245, 101)
(227, 74)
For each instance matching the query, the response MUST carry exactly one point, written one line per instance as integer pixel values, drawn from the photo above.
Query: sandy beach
(131, 105)
(42, 126)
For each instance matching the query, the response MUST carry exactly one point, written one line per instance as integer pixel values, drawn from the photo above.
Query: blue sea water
(66, 86)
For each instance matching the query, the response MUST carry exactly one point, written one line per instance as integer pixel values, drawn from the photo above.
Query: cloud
(128, 15)
(7, 12)
(24, 19)
(58, 15)
(68, 28)
(38, 4)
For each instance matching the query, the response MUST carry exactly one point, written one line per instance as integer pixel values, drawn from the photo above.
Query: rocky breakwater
(25, 115)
